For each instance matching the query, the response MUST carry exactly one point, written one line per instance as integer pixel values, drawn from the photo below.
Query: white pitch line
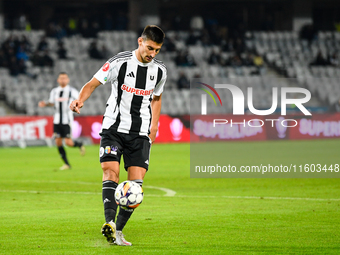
(60, 192)
(168, 192)
(268, 198)
(151, 195)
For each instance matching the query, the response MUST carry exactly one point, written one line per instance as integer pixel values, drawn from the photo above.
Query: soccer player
(130, 121)
(60, 98)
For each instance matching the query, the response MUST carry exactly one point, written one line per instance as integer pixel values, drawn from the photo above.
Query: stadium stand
(284, 54)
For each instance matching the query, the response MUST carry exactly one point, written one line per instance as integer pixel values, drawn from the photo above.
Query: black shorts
(61, 131)
(134, 148)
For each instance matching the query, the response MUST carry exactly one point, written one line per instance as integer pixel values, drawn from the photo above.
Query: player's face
(63, 80)
(147, 50)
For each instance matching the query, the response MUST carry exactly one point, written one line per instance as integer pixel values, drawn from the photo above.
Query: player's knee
(69, 142)
(110, 171)
(58, 142)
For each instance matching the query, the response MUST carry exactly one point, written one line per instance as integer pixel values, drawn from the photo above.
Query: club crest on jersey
(152, 77)
(138, 92)
(106, 67)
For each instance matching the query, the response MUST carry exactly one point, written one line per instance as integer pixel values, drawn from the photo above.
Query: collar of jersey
(136, 59)
(64, 87)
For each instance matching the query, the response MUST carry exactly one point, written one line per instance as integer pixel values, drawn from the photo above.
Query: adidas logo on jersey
(131, 75)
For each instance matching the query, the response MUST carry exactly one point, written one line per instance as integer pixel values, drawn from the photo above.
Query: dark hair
(62, 73)
(153, 33)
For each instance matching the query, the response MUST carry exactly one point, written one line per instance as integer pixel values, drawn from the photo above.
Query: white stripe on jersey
(133, 86)
(61, 98)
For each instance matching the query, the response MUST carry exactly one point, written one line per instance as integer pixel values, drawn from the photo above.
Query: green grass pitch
(46, 211)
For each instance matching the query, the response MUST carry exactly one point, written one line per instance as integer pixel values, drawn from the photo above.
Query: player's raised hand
(76, 105)
(42, 104)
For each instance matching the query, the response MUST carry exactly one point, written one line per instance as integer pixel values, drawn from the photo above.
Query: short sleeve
(160, 86)
(52, 97)
(105, 73)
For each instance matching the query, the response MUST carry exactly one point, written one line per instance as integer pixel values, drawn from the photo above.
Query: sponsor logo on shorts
(114, 150)
(138, 92)
(101, 151)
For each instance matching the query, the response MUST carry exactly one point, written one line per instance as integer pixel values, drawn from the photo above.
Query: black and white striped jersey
(133, 85)
(62, 98)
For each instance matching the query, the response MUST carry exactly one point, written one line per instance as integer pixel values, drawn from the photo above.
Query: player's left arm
(156, 105)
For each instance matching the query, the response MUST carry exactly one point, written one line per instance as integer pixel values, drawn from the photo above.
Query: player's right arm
(84, 94)
(44, 104)
(50, 101)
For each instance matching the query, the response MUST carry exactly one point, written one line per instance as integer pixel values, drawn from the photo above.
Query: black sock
(125, 213)
(63, 154)
(110, 206)
(77, 144)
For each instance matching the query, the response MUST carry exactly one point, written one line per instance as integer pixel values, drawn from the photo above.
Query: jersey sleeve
(106, 73)
(51, 99)
(160, 86)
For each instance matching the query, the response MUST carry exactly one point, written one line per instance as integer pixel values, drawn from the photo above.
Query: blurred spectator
(248, 60)
(47, 60)
(308, 32)
(194, 37)
(320, 60)
(183, 82)
(229, 46)
(56, 30)
(215, 58)
(205, 38)
(85, 29)
(168, 45)
(334, 59)
(60, 31)
(183, 58)
(42, 58)
(22, 23)
(3, 59)
(61, 51)
(72, 26)
(196, 76)
(16, 67)
(196, 23)
(259, 63)
(43, 44)
(106, 53)
(26, 43)
(236, 62)
(222, 38)
(21, 53)
(13, 66)
(239, 46)
(94, 52)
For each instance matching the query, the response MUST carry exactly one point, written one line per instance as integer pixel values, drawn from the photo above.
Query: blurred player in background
(130, 121)
(60, 98)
